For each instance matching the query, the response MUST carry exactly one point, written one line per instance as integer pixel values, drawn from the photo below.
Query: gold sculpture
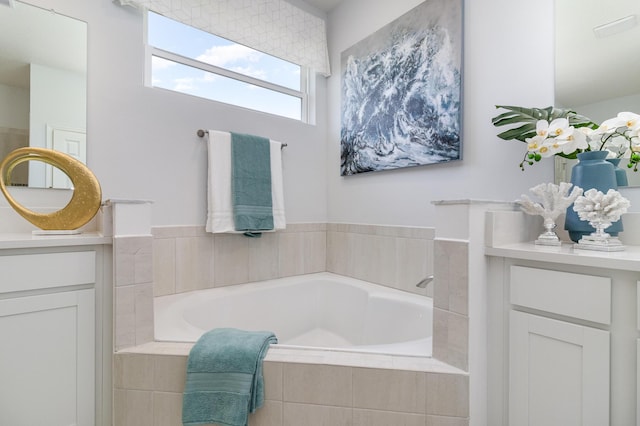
(84, 203)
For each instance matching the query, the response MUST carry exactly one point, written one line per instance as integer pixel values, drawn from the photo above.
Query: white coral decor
(554, 201)
(600, 209)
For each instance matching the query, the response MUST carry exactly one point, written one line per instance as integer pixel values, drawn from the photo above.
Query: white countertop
(627, 260)
(25, 240)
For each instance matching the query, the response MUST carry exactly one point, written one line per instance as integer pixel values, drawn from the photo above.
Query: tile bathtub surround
(187, 258)
(148, 391)
(451, 303)
(394, 256)
(133, 290)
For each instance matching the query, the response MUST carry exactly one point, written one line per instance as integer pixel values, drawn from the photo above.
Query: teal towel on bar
(251, 183)
(224, 377)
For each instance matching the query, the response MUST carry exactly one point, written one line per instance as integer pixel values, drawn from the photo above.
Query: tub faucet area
(424, 282)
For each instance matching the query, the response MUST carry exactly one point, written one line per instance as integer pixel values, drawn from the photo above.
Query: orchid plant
(553, 131)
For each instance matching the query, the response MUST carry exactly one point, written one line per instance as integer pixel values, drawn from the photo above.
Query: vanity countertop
(25, 240)
(627, 260)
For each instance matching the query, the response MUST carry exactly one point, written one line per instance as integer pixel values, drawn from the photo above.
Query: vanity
(563, 331)
(55, 341)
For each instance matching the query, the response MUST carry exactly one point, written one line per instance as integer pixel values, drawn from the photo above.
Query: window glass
(180, 57)
(193, 81)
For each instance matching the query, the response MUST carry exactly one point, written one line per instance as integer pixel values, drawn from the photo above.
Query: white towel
(220, 208)
(277, 187)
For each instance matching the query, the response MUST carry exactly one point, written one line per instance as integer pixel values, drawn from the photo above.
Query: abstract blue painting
(401, 92)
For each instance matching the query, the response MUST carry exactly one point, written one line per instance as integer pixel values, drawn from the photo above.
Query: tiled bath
(318, 388)
(149, 380)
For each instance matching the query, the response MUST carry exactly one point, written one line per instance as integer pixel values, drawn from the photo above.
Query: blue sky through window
(172, 36)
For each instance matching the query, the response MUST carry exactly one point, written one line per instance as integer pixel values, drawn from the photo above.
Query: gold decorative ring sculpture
(84, 203)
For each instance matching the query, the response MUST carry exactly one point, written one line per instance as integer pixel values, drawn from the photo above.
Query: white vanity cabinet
(558, 369)
(563, 336)
(50, 333)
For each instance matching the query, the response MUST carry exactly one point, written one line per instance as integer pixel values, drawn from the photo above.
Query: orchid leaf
(530, 116)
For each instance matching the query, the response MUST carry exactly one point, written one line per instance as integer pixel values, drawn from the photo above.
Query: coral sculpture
(554, 201)
(600, 210)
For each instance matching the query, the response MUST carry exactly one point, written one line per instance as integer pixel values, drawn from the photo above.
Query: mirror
(43, 82)
(597, 71)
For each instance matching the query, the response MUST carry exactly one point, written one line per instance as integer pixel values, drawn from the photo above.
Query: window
(187, 60)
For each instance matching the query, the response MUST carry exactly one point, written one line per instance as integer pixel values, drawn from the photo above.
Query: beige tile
(386, 418)
(451, 272)
(164, 266)
(441, 273)
(316, 415)
(132, 260)
(169, 373)
(338, 252)
(389, 390)
(124, 317)
(272, 374)
(143, 260)
(194, 263)
(451, 338)
(459, 275)
(291, 254)
(413, 263)
(231, 259)
(178, 231)
(270, 414)
(167, 409)
(317, 384)
(448, 395)
(123, 261)
(133, 371)
(447, 421)
(144, 313)
(263, 257)
(132, 408)
(315, 252)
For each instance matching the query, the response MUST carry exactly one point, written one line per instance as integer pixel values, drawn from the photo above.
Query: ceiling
(591, 69)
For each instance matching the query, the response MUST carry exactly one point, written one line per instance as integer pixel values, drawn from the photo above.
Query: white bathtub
(321, 310)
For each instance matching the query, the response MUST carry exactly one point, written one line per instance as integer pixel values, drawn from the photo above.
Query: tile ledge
(315, 356)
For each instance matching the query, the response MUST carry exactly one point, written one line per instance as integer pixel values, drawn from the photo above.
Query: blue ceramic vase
(621, 174)
(591, 171)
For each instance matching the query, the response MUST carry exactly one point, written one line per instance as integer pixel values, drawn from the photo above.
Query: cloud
(184, 84)
(226, 56)
(158, 63)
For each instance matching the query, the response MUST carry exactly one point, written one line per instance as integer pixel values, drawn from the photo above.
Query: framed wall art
(402, 92)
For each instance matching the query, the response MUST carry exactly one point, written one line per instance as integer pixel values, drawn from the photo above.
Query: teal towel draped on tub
(224, 377)
(251, 183)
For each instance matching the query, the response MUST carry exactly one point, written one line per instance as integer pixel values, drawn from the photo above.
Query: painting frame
(401, 92)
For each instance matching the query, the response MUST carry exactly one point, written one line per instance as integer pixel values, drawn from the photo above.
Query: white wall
(142, 142)
(506, 61)
(14, 107)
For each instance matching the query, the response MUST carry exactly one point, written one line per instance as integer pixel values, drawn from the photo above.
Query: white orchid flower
(626, 119)
(542, 128)
(574, 140)
(550, 147)
(558, 127)
(534, 143)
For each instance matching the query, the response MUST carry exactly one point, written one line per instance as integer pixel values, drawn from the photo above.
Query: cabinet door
(558, 373)
(47, 359)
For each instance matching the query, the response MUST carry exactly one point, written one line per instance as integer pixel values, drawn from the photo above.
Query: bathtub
(314, 311)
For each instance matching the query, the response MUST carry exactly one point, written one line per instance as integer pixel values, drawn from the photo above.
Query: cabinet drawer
(579, 296)
(46, 270)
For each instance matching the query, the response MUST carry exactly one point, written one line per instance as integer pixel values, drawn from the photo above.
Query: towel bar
(201, 134)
